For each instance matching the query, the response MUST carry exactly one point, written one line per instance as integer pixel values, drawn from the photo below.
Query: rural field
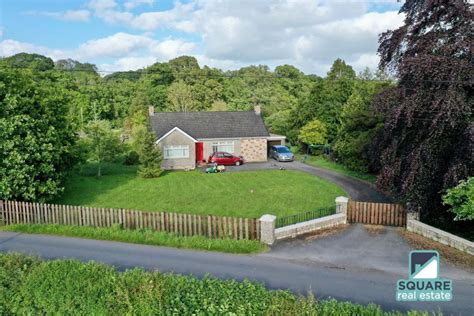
(244, 194)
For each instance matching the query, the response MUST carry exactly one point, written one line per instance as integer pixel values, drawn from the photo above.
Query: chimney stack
(257, 109)
(151, 110)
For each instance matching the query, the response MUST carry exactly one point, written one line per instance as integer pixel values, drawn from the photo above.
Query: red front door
(199, 151)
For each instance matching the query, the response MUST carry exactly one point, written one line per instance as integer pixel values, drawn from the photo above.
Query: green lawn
(246, 194)
(321, 162)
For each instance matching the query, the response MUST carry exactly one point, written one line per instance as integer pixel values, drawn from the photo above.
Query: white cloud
(129, 51)
(309, 34)
(129, 63)
(117, 45)
(76, 15)
(157, 51)
(101, 5)
(10, 47)
(172, 48)
(177, 17)
(135, 3)
(69, 15)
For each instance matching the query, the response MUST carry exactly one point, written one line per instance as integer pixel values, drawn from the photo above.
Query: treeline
(289, 99)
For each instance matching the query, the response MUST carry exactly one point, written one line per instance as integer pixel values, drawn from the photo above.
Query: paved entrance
(358, 248)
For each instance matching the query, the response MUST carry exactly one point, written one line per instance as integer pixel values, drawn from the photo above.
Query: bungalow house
(187, 139)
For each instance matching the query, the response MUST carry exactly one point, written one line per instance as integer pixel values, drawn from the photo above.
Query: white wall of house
(179, 151)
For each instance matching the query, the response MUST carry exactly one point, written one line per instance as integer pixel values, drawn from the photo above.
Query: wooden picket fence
(12, 212)
(376, 213)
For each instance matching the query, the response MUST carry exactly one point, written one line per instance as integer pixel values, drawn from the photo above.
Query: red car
(223, 158)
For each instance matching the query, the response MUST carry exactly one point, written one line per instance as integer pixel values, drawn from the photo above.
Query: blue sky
(228, 34)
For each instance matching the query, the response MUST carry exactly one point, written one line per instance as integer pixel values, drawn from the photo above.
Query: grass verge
(249, 194)
(450, 254)
(321, 162)
(146, 237)
(29, 286)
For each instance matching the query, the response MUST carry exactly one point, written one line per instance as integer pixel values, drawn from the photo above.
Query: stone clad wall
(254, 149)
(302, 228)
(439, 235)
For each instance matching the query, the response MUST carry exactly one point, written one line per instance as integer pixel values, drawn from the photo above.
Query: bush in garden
(131, 158)
(461, 199)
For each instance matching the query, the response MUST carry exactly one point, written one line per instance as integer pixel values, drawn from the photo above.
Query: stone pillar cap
(342, 199)
(267, 218)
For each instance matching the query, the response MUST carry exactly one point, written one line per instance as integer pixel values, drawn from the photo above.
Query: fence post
(2, 214)
(341, 206)
(267, 229)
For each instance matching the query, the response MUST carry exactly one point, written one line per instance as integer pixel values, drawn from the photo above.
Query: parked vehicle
(223, 158)
(281, 153)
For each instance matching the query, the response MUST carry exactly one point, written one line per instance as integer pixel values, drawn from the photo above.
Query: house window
(177, 151)
(223, 146)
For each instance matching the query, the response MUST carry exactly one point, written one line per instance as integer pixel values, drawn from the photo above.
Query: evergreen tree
(149, 153)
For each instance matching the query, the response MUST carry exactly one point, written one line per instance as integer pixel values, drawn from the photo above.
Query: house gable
(178, 130)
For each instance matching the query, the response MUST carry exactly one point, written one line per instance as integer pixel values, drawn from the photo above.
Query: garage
(275, 139)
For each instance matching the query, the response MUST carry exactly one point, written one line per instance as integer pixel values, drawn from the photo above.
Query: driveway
(358, 249)
(357, 189)
(350, 266)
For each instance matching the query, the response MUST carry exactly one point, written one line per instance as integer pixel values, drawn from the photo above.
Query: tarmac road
(299, 274)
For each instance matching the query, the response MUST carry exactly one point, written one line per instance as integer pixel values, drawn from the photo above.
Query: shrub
(74, 288)
(138, 292)
(131, 158)
(13, 270)
(461, 199)
(67, 287)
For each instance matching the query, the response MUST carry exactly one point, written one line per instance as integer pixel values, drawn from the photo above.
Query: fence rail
(303, 217)
(12, 212)
(376, 213)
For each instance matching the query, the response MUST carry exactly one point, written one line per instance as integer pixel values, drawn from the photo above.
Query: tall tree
(427, 144)
(103, 142)
(359, 124)
(36, 137)
(181, 98)
(32, 61)
(313, 133)
(327, 98)
(149, 153)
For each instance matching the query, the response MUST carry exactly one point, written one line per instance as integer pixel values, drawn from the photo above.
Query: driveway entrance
(358, 248)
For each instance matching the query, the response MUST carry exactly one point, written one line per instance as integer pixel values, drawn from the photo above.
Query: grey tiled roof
(210, 124)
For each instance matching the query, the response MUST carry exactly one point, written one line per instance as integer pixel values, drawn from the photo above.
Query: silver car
(281, 153)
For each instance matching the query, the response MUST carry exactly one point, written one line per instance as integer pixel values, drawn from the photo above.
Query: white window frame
(223, 146)
(183, 148)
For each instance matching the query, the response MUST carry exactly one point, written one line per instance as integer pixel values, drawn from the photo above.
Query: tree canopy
(313, 133)
(461, 199)
(427, 142)
(37, 141)
(289, 99)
